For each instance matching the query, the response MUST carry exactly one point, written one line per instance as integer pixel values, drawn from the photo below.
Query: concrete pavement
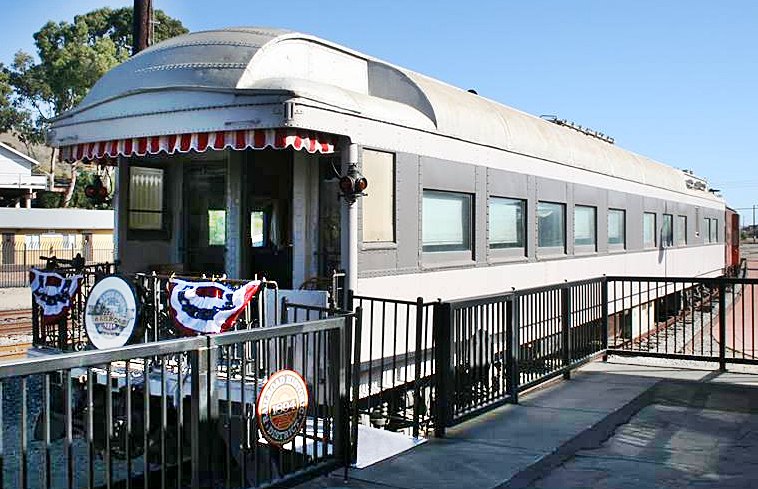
(583, 433)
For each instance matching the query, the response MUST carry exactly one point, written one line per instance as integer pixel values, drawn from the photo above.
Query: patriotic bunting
(309, 141)
(53, 293)
(207, 307)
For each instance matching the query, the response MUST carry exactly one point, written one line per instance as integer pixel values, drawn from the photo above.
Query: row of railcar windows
(447, 225)
(447, 219)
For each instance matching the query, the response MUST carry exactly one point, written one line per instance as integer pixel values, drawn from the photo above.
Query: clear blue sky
(673, 80)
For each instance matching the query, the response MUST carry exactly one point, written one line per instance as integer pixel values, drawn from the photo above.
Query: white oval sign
(110, 315)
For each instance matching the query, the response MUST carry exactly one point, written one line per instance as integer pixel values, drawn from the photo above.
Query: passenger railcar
(230, 144)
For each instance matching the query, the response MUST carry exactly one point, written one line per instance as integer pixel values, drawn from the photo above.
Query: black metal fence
(177, 413)
(15, 261)
(395, 364)
(67, 334)
(491, 348)
(700, 319)
(155, 323)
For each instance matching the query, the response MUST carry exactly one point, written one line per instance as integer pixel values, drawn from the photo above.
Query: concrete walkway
(550, 438)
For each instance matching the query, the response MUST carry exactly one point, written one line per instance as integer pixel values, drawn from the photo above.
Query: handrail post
(340, 344)
(512, 348)
(356, 377)
(604, 323)
(722, 326)
(566, 330)
(443, 366)
(417, 366)
(203, 407)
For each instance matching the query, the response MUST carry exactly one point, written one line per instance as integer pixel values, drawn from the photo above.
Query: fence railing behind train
(16, 260)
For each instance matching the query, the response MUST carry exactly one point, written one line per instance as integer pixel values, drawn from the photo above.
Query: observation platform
(659, 423)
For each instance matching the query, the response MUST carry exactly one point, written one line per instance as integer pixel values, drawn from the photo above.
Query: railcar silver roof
(244, 61)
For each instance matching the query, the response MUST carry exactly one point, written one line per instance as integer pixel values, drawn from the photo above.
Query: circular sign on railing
(282, 407)
(110, 314)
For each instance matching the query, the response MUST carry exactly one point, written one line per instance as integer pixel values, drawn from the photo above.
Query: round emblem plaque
(282, 407)
(110, 314)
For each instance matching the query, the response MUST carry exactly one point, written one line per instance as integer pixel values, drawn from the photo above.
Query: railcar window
(379, 204)
(680, 231)
(506, 223)
(551, 225)
(714, 231)
(585, 225)
(648, 230)
(617, 227)
(667, 230)
(446, 221)
(146, 198)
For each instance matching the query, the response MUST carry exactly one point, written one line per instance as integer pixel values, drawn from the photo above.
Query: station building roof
(222, 67)
(55, 220)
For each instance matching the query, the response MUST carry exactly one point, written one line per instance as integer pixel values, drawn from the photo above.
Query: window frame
(162, 234)
(679, 218)
(667, 241)
(591, 247)
(654, 244)
(551, 251)
(506, 252)
(713, 230)
(617, 246)
(450, 256)
(367, 245)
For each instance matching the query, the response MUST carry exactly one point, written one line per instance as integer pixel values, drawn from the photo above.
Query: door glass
(216, 227)
(257, 225)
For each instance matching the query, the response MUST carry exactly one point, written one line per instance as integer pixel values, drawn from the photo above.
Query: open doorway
(204, 217)
(267, 216)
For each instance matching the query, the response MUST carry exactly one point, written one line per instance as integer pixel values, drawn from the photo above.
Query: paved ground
(612, 425)
(15, 298)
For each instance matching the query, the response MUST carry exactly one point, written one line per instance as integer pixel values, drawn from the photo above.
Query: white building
(17, 184)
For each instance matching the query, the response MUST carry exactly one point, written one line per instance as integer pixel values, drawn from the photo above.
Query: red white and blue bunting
(208, 307)
(53, 293)
(309, 141)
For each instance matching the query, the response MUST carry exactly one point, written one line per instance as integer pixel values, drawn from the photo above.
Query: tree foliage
(73, 56)
(70, 58)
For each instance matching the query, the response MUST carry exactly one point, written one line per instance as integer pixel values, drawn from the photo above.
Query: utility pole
(142, 25)
(753, 223)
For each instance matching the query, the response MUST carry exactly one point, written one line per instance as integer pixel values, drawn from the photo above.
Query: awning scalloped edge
(199, 142)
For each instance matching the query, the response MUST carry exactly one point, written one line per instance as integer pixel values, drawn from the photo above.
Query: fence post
(513, 346)
(566, 330)
(604, 306)
(62, 336)
(417, 366)
(444, 374)
(722, 326)
(203, 407)
(356, 376)
(340, 344)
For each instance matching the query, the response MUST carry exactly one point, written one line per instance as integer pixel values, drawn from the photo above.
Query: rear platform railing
(178, 413)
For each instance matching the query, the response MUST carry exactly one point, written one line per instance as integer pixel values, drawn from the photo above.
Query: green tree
(71, 57)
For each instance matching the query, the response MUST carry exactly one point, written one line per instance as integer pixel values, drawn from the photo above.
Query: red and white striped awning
(309, 141)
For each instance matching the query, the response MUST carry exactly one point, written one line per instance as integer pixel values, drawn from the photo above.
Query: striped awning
(309, 141)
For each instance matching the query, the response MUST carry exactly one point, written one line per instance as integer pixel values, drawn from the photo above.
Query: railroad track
(16, 321)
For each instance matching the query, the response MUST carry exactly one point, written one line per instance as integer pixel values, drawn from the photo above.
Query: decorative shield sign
(282, 407)
(110, 315)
